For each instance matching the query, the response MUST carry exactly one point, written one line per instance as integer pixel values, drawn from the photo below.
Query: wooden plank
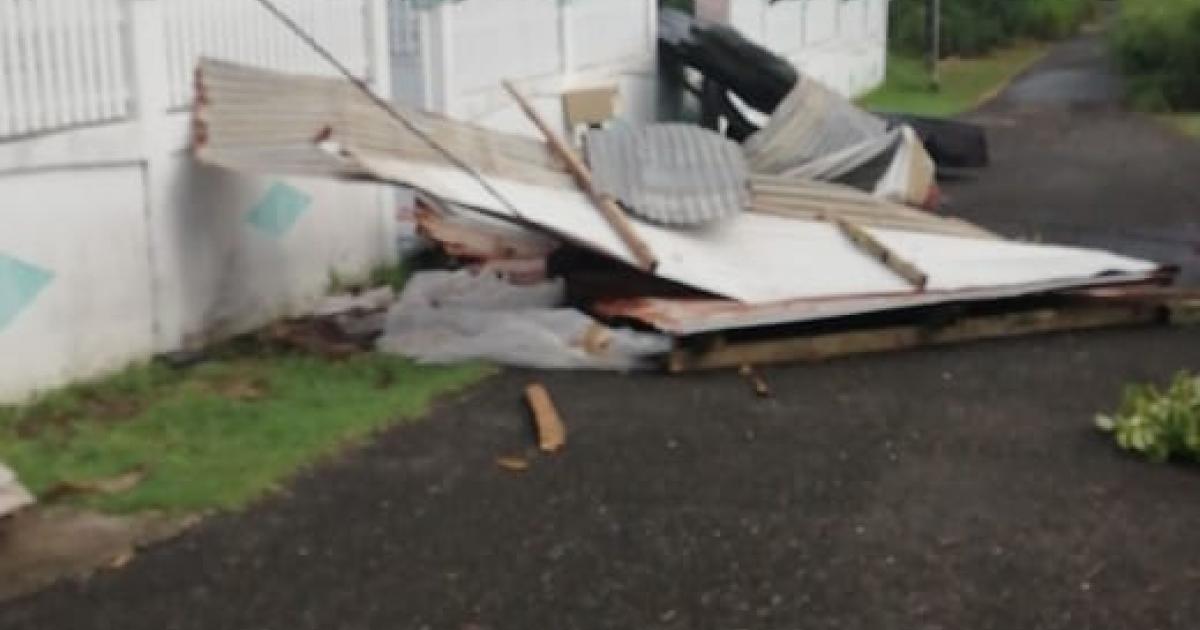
(828, 346)
(880, 252)
(612, 213)
(552, 433)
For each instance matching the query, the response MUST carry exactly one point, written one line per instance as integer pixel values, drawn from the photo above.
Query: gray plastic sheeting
(671, 174)
(446, 317)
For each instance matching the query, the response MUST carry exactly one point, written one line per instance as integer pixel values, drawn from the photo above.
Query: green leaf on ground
(1158, 423)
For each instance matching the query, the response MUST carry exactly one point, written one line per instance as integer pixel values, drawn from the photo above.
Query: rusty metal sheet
(683, 316)
(672, 174)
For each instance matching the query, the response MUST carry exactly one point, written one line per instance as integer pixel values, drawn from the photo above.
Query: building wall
(114, 243)
(461, 51)
(842, 43)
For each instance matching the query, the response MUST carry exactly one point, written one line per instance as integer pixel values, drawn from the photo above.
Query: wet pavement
(1070, 165)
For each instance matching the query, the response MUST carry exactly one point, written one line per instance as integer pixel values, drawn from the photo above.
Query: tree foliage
(975, 27)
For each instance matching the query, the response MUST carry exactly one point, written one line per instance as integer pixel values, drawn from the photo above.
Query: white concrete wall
(463, 50)
(115, 244)
(842, 43)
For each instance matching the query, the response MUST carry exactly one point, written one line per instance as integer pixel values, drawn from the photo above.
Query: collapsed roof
(781, 245)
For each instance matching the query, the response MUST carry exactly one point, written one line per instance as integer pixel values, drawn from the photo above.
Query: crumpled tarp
(13, 495)
(447, 317)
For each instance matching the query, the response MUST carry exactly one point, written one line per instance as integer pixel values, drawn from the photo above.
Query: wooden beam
(880, 252)
(552, 433)
(813, 348)
(608, 208)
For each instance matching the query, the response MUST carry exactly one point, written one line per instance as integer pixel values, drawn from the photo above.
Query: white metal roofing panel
(758, 258)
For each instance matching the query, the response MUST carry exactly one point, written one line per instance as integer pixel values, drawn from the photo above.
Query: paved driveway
(953, 488)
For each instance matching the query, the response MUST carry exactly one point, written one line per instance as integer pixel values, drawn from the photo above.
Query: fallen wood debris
(513, 463)
(608, 208)
(821, 347)
(757, 259)
(552, 433)
(886, 257)
(757, 382)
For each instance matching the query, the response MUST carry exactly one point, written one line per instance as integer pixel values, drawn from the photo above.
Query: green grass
(220, 434)
(965, 83)
(1187, 123)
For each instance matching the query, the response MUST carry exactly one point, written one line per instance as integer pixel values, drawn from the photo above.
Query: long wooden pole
(880, 252)
(933, 33)
(583, 176)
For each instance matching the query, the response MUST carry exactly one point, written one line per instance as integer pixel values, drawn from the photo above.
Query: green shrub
(975, 27)
(1157, 43)
(1159, 424)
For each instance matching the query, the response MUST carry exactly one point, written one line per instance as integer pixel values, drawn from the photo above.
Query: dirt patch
(43, 545)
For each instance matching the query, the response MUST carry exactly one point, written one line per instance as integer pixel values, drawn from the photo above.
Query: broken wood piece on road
(552, 433)
(612, 213)
(513, 463)
(757, 382)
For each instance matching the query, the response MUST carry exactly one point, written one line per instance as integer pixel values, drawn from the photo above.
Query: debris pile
(671, 244)
(719, 55)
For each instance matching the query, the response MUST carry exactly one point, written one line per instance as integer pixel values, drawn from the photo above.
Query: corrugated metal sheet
(253, 119)
(809, 199)
(811, 123)
(673, 174)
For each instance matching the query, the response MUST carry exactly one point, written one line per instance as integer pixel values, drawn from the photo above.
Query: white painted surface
(61, 64)
(86, 227)
(465, 49)
(756, 258)
(217, 273)
(147, 251)
(151, 252)
(842, 43)
(246, 32)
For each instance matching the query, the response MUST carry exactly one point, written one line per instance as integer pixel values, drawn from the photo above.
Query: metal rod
(386, 106)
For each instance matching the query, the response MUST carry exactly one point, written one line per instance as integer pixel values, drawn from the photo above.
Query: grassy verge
(219, 434)
(1188, 124)
(965, 83)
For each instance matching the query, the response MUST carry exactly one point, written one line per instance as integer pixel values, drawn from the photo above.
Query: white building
(115, 245)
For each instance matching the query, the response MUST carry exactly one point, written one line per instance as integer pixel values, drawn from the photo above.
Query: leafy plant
(1157, 43)
(1158, 424)
(974, 28)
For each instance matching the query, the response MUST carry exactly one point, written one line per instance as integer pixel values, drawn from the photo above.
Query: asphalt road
(951, 488)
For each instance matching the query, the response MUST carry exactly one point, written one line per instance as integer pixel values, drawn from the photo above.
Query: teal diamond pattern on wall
(279, 209)
(20, 284)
